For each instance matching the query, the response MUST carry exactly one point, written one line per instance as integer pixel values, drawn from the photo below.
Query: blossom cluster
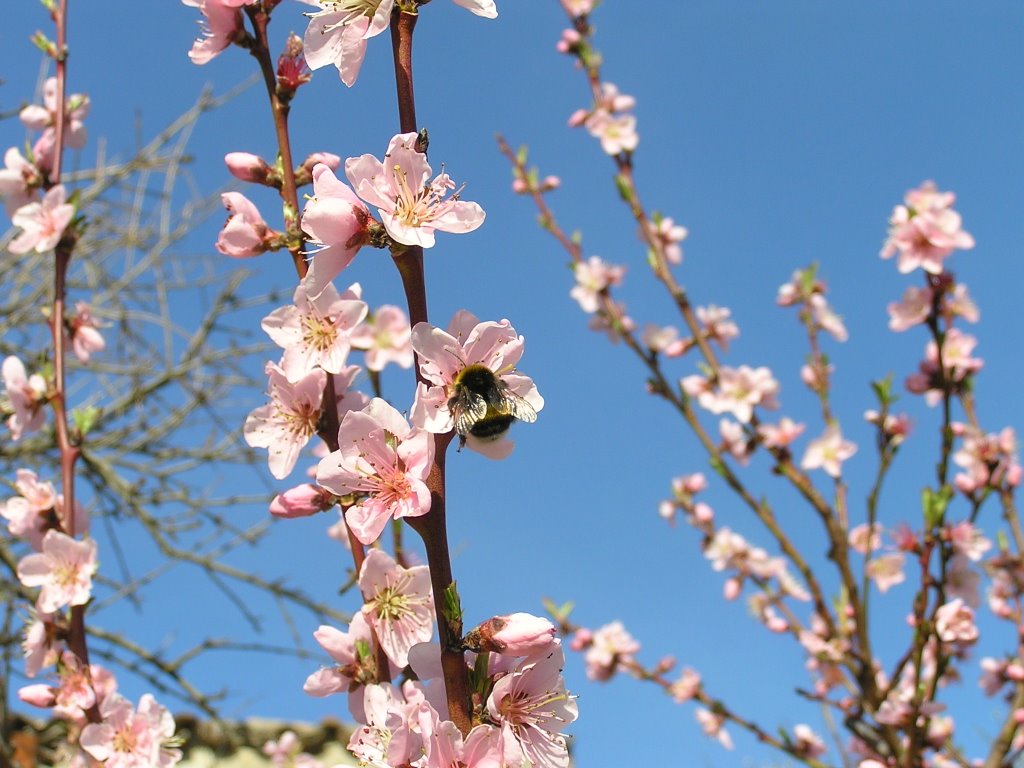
(62, 569)
(526, 706)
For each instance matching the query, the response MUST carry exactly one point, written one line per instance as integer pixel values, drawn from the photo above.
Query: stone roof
(205, 743)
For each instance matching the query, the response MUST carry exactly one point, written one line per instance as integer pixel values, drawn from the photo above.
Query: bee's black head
(478, 379)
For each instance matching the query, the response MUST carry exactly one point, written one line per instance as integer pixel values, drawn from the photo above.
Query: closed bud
(301, 501)
(246, 166)
(517, 634)
(38, 695)
(304, 173)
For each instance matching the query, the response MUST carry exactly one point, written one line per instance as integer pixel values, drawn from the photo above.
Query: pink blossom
(43, 222)
(397, 604)
(734, 440)
(913, 309)
(611, 646)
(993, 675)
(712, 725)
(337, 33)
(411, 205)
(396, 730)
(739, 390)
(617, 133)
(245, 233)
(40, 646)
(895, 427)
(531, 705)
(816, 376)
(314, 331)
(85, 335)
(129, 737)
(482, 748)
(337, 223)
(476, 349)
(301, 501)
(80, 689)
(957, 348)
(780, 435)
(19, 181)
(828, 452)
(686, 687)
(63, 569)
(807, 743)
(286, 423)
(593, 278)
(826, 318)
(959, 303)
(578, 7)
(386, 337)
(23, 521)
(954, 623)
(664, 341)
(44, 118)
(349, 399)
(962, 581)
(717, 325)
(728, 549)
(344, 649)
(987, 460)
(886, 571)
(968, 540)
(222, 25)
(611, 99)
(925, 230)
(517, 634)
(864, 539)
(385, 462)
(667, 235)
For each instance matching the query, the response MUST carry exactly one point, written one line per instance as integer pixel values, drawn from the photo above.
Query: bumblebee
(483, 406)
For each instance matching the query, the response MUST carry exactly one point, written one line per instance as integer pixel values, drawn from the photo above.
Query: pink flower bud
(292, 70)
(38, 695)
(582, 639)
(1018, 716)
(731, 590)
(777, 624)
(1015, 671)
(245, 232)
(301, 501)
(666, 664)
(550, 182)
(569, 40)
(694, 483)
(577, 118)
(330, 160)
(1013, 475)
(703, 514)
(519, 186)
(246, 166)
(517, 634)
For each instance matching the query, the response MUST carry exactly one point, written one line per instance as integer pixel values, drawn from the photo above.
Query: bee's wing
(517, 406)
(467, 408)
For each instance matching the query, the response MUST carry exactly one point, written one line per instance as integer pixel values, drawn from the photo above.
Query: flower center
(318, 332)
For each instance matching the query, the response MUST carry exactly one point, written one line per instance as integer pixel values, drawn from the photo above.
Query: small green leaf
(85, 419)
(934, 504)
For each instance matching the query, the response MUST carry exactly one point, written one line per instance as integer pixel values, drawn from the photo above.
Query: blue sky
(780, 134)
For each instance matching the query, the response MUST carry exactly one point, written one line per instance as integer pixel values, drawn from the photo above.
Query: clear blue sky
(779, 134)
